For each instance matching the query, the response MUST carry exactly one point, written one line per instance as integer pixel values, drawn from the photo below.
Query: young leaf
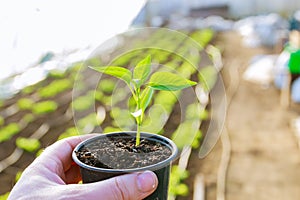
(146, 97)
(169, 81)
(118, 72)
(142, 71)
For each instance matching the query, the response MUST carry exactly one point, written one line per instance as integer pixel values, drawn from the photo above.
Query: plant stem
(132, 92)
(138, 118)
(138, 135)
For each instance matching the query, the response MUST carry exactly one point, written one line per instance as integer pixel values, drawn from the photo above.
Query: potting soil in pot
(121, 153)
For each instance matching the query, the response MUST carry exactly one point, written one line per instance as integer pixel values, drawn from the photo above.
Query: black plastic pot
(162, 169)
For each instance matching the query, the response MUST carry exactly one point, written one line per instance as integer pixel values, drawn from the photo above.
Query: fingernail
(146, 181)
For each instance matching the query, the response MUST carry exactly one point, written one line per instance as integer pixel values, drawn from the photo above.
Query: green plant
(44, 107)
(203, 37)
(29, 89)
(28, 118)
(94, 61)
(82, 103)
(177, 187)
(72, 131)
(121, 118)
(56, 73)
(89, 122)
(28, 144)
(25, 103)
(18, 175)
(208, 77)
(39, 152)
(188, 133)
(55, 88)
(98, 95)
(4, 196)
(107, 85)
(1, 120)
(125, 58)
(142, 91)
(9, 131)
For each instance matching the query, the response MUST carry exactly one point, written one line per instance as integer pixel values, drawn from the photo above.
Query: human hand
(52, 176)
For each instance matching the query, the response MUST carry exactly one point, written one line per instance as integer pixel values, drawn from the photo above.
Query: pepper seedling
(142, 85)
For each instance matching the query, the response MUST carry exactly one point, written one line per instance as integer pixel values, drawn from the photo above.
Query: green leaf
(118, 72)
(146, 97)
(142, 71)
(169, 81)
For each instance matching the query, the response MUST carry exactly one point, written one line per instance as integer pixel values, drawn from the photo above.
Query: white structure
(243, 8)
(237, 8)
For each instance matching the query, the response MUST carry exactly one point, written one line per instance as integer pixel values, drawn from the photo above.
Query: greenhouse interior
(97, 97)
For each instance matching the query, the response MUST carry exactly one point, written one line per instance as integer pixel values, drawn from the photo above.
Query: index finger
(59, 154)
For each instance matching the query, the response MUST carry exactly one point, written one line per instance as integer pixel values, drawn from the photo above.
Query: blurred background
(239, 137)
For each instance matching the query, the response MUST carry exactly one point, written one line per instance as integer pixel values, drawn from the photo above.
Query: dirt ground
(265, 161)
(265, 158)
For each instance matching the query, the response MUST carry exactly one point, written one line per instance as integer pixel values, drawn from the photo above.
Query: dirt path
(265, 159)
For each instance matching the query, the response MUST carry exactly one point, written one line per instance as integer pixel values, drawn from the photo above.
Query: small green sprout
(4, 196)
(142, 85)
(44, 107)
(28, 144)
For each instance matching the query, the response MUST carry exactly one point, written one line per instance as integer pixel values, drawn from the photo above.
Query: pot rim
(162, 139)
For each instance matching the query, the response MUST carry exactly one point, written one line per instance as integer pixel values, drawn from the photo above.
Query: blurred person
(287, 66)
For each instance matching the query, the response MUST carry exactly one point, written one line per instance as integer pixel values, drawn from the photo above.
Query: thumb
(126, 187)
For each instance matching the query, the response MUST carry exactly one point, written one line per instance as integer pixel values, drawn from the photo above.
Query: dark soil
(122, 153)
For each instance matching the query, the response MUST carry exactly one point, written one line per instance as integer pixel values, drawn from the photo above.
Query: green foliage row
(177, 187)
(63, 81)
(208, 77)
(202, 37)
(44, 107)
(25, 103)
(8, 131)
(38, 108)
(54, 88)
(83, 102)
